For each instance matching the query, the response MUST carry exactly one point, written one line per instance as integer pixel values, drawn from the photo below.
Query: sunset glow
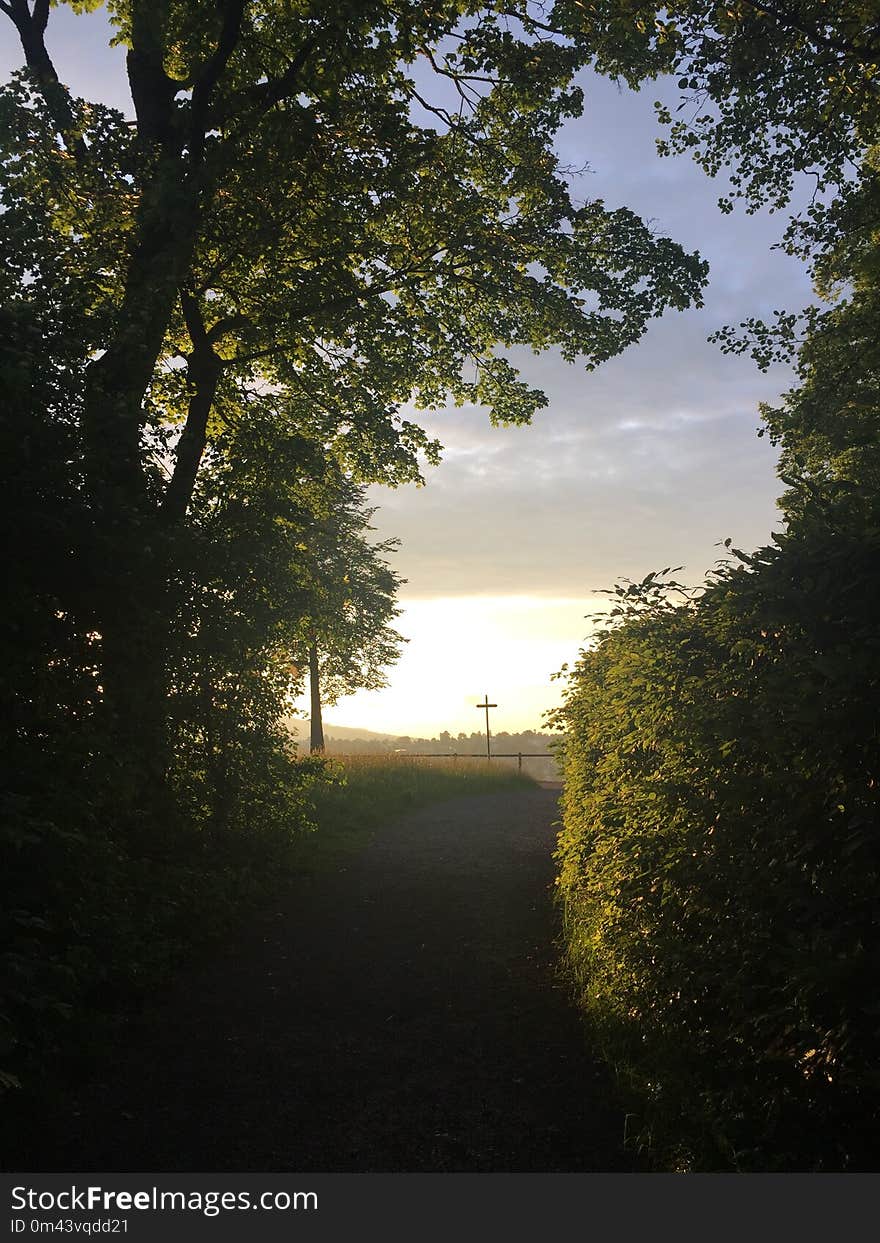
(459, 648)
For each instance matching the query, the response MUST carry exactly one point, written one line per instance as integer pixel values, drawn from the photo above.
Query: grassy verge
(363, 792)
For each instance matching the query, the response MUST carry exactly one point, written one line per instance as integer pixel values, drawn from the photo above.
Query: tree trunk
(135, 630)
(204, 369)
(317, 724)
(129, 566)
(133, 550)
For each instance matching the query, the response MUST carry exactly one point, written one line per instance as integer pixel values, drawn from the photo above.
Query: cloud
(650, 460)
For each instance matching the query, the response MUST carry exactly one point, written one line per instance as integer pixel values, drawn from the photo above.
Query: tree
(242, 586)
(771, 94)
(358, 204)
(769, 90)
(352, 600)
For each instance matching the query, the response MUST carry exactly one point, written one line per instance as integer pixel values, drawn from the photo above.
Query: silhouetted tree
(346, 630)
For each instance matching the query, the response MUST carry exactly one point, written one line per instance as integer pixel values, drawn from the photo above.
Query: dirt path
(398, 1014)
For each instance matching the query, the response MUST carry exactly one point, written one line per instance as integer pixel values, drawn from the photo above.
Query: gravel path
(397, 1014)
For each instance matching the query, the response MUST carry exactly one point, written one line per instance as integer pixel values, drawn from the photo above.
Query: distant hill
(345, 733)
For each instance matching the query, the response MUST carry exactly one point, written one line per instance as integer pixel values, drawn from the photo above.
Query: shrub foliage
(719, 858)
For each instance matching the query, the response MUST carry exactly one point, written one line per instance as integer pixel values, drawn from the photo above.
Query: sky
(650, 461)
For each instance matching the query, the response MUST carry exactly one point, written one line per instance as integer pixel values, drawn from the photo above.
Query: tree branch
(530, 22)
(230, 323)
(456, 76)
(276, 89)
(192, 317)
(266, 94)
(31, 29)
(204, 369)
(211, 73)
(152, 90)
(844, 47)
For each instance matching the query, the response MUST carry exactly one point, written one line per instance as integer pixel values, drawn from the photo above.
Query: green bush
(104, 901)
(719, 858)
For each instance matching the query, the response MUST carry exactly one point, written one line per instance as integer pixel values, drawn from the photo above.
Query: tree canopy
(359, 207)
(361, 203)
(720, 853)
(312, 219)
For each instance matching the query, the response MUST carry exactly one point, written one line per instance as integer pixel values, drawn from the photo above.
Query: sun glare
(462, 647)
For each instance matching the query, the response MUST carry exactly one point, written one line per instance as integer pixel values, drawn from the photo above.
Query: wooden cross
(485, 704)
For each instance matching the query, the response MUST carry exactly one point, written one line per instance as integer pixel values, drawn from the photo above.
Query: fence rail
(519, 756)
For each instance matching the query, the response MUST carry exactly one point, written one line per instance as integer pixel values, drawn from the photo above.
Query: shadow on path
(397, 1014)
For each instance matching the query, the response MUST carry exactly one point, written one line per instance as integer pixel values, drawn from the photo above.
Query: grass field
(364, 791)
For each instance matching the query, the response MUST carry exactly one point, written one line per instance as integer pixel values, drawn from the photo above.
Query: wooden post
(485, 704)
